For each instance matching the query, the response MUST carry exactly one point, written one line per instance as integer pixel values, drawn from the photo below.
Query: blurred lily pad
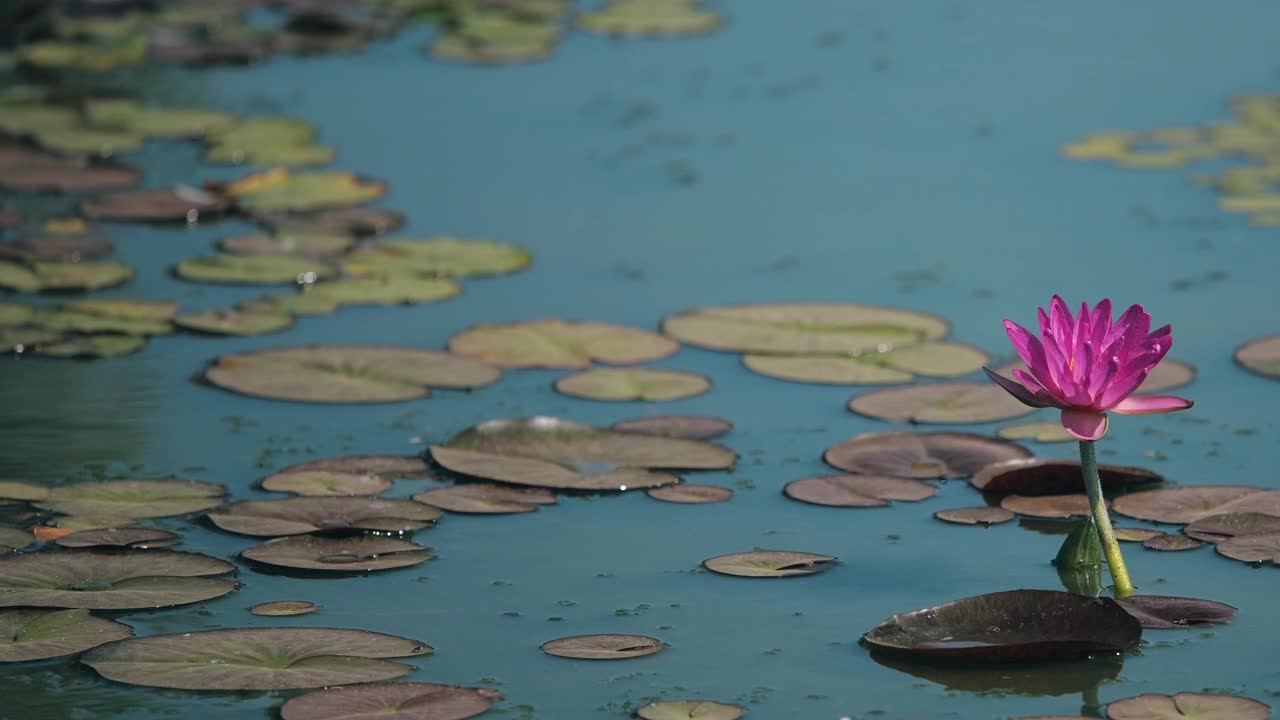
(857, 490)
(1190, 503)
(13, 315)
(13, 490)
(253, 269)
(1127, 534)
(1261, 356)
(267, 141)
(111, 581)
(1216, 528)
(29, 169)
(133, 116)
(691, 494)
(1201, 706)
(440, 256)
(284, 608)
(1165, 612)
(85, 56)
(769, 564)
(898, 365)
(26, 118)
(384, 290)
(650, 18)
(1047, 506)
(391, 701)
(357, 553)
(101, 318)
(301, 303)
(133, 538)
(126, 308)
(981, 515)
(56, 248)
(282, 190)
(1044, 476)
(940, 402)
(621, 384)
(300, 515)
(921, 455)
(180, 204)
(1171, 543)
(83, 141)
(690, 427)
(287, 243)
(33, 634)
(1252, 548)
(92, 346)
(560, 344)
(602, 647)
(346, 374)
(62, 276)
(133, 498)
(496, 37)
(326, 483)
(357, 221)
(14, 539)
(255, 659)
(235, 322)
(534, 472)
(486, 498)
(391, 466)
(1045, 432)
(689, 710)
(803, 329)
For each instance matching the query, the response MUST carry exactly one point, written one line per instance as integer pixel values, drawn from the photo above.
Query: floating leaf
(235, 322)
(32, 170)
(1171, 543)
(267, 141)
(817, 329)
(1043, 476)
(1016, 625)
(857, 490)
(56, 248)
(284, 608)
(921, 455)
(357, 553)
(13, 315)
(14, 539)
(1188, 705)
(390, 290)
(1190, 503)
(255, 659)
(253, 269)
(559, 344)
(295, 516)
(1047, 506)
(29, 634)
(495, 37)
(486, 498)
(544, 473)
(940, 402)
(622, 384)
(1167, 375)
(1164, 612)
(769, 564)
(303, 303)
(602, 647)
(134, 538)
(982, 515)
(1045, 432)
(281, 190)
(182, 204)
(1251, 548)
(391, 701)
(690, 427)
(177, 123)
(133, 498)
(62, 276)
(1124, 534)
(10, 490)
(88, 141)
(689, 493)
(649, 18)
(64, 321)
(287, 243)
(326, 483)
(358, 221)
(689, 710)
(93, 346)
(440, 256)
(110, 581)
(1216, 528)
(346, 374)
(898, 365)
(403, 466)
(1261, 356)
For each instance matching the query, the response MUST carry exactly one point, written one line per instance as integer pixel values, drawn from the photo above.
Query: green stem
(1110, 547)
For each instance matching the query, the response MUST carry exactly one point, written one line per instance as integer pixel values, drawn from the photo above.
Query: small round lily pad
(1251, 548)
(391, 701)
(857, 490)
(1201, 706)
(253, 269)
(439, 257)
(1216, 528)
(356, 553)
(769, 564)
(255, 659)
(1165, 612)
(486, 498)
(921, 455)
(36, 634)
(323, 483)
(111, 581)
(941, 403)
(133, 538)
(1171, 543)
(357, 221)
(620, 384)
(284, 608)
(1190, 503)
(602, 647)
(235, 322)
(689, 710)
(1044, 476)
(690, 427)
(691, 494)
(560, 344)
(1261, 356)
(62, 276)
(182, 204)
(1127, 534)
(1047, 506)
(791, 329)
(296, 516)
(981, 515)
(282, 190)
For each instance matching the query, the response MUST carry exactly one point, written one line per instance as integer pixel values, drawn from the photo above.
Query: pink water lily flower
(1088, 365)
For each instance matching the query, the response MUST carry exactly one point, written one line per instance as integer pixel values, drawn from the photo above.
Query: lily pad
(30, 634)
(62, 276)
(544, 473)
(1047, 506)
(1216, 528)
(603, 647)
(359, 221)
(799, 329)
(126, 315)
(690, 427)
(83, 141)
(389, 290)
(64, 321)
(268, 141)
(392, 466)
(176, 123)
(347, 374)
(296, 516)
(1165, 612)
(921, 455)
(898, 365)
(391, 701)
(857, 490)
(1251, 548)
(1188, 705)
(302, 303)
(133, 498)
(28, 169)
(357, 553)
(111, 581)
(486, 498)
(769, 564)
(326, 483)
(253, 269)
(981, 515)
(93, 346)
(689, 710)
(1127, 534)
(1171, 543)
(1044, 432)
(235, 322)
(621, 384)
(255, 659)
(56, 248)
(650, 18)
(559, 344)
(284, 608)
(940, 402)
(440, 257)
(284, 191)
(1010, 626)
(133, 538)
(287, 243)
(496, 37)
(1261, 356)
(691, 494)
(14, 539)
(13, 315)
(1190, 503)
(1167, 375)
(1043, 476)
(11, 490)
(181, 204)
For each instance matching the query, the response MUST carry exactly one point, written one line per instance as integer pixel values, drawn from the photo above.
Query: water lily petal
(1147, 404)
(1084, 424)
(1061, 324)
(1020, 393)
(1100, 324)
(1122, 386)
(1113, 342)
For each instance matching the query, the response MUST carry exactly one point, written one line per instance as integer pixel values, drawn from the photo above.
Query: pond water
(905, 154)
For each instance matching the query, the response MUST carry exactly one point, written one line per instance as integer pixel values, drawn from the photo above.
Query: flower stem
(1110, 547)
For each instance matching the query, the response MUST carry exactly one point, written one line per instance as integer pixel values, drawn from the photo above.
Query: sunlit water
(896, 153)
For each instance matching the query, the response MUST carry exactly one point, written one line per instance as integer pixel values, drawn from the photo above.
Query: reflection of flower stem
(1110, 548)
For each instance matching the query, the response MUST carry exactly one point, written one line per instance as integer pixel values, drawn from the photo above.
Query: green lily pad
(391, 466)
(326, 483)
(857, 490)
(14, 539)
(284, 608)
(127, 308)
(1216, 528)
(560, 344)
(13, 315)
(88, 57)
(602, 647)
(62, 276)
(255, 659)
(1044, 432)
(297, 516)
(63, 321)
(898, 365)
(1261, 356)
(689, 710)
(1188, 705)
(180, 204)
(111, 581)
(346, 374)
(803, 329)
(940, 402)
(1165, 612)
(689, 427)
(133, 498)
(391, 701)
(133, 538)
(388, 290)
(281, 190)
(235, 322)
(620, 384)
(691, 494)
(981, 515)
(1047, 506)
(1260, 548)
(130, 115)
(486, 498)
(31, 170)
(921, 455)
(769, 564)
(357, 553)
(270, 141)
(88, 141)
(1044, 476)
(1171, 543)
(253, 269)
(29, 634)
(1138, 535)
(287, 243)
(11, 490)
(440, 256)
(1190, 503)
(650, 18)
(543, 473)
(93, 346)
(496, 37)
(26, 339)
(301, 303)
(24, 119)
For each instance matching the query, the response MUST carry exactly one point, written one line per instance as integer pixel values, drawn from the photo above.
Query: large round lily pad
(1252, 548)
(1047, 506)
(1011, 626)
(689, 710)
(486, 498)
(1044, 476)
(1261, 356)
(62, 276)
(347, 373)
(602, 647)
(391, 701)
(296, 516)
(111, 581)
(921, 455)
(133, 498)
(1193, 502)
(357, 553)
(560, 344)
(1165, 612)
(769, 564)
(534, 472)
(281, 190)
(620, 384)
(31, 634)
(981, 515)
(256, 659)
(442, 256)
(253, 269)
(384, 290)
(133, 538)
(325, 483)
(234, 322)
(181, 204)
(858, 490)
(940, 402)
(1216, 528)
(798, 329)
(899, 365)
(1200, 706)
(690, 427)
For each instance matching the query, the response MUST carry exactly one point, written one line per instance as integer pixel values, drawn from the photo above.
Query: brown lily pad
(1261, 356)
(602, 647)
(486, 498)
(1047, 506)
(357, 221)
(1042, 432)
(391, 701)
(921, 455)
(1251, 548)
(284, 608)
(111, 581)
(560, 344)
(691, 494)
(182, 204)
(134, 538)
(1165, 612)
(1216, 528)
(324, 483)
(391, 466)
(1193, 502)
(56, 248)
(519, 470)
(355, 553)
(769, 564)
(36, 634)
(1188, 705)
(31, 170)
(1171, 543)
(981, 515)
(940, 403)
(690, 427)
(857, 490)
(297, 516)
(1044, 476)
(133, 498)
